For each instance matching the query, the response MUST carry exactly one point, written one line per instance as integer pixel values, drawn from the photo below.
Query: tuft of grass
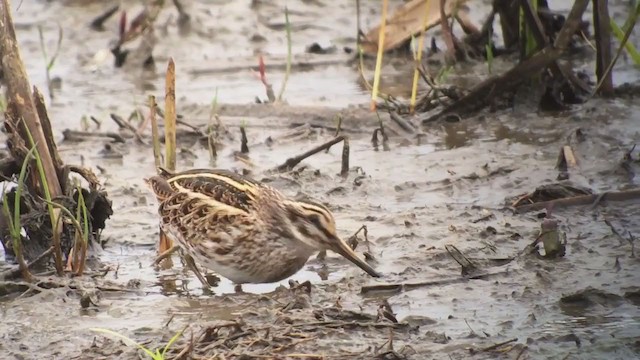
(53, 215)
(155, 355)
(15, 224)
(81, 241)
(288, 66)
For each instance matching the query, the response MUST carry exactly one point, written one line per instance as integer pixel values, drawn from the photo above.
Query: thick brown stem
(450, 54)
(603, 46)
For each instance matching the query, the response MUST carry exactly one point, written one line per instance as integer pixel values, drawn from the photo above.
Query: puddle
(414, 199)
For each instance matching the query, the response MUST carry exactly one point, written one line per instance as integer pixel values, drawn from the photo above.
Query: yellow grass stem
(376, 75)
(170, 117)
(418, 58)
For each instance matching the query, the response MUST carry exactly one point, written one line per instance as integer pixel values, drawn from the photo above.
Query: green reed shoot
(287, 71)
(619, 33)
(50, 62)
(15, 225)
(530, 43)
(57, 250)
(154, 355)
(82, 235)
(489, 49)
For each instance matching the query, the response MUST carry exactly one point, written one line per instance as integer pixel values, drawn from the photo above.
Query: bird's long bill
(345, 250)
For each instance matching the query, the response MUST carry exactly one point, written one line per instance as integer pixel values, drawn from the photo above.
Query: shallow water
(414, 199)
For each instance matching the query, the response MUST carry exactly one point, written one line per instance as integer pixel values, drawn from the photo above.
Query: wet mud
(450, 186)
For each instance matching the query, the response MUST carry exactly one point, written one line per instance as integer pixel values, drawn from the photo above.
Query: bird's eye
(315, 220)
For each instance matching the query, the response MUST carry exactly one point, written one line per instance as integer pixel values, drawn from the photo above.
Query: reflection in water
(457, 134)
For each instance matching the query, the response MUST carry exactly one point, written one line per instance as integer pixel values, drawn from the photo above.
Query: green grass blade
(171, 341)
(16, 204)
(619, 33)
(489, 57)
(127, 341)
(85, 218)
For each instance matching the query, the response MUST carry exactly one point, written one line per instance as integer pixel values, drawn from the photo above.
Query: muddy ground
(446, 187)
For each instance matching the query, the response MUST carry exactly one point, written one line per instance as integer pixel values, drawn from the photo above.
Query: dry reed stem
(376, 75)
(170, 117)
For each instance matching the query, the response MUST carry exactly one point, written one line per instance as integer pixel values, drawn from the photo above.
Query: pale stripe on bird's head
(229, 178)
(313, 210)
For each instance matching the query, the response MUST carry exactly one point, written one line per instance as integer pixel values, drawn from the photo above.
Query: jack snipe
(244, 230)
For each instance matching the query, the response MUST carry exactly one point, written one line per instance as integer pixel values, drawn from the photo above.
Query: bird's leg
(191, 264)
(322, 255)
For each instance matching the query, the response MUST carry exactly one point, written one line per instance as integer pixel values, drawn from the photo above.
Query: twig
(292, 162)
(77, 135)
(14, 273)
(244, 148)
(495, 346)
(581, 200)
(344, 172)
(123, 124)
(98, 22)
(400, 287)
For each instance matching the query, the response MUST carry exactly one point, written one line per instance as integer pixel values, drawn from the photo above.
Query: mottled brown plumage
(242, 229)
